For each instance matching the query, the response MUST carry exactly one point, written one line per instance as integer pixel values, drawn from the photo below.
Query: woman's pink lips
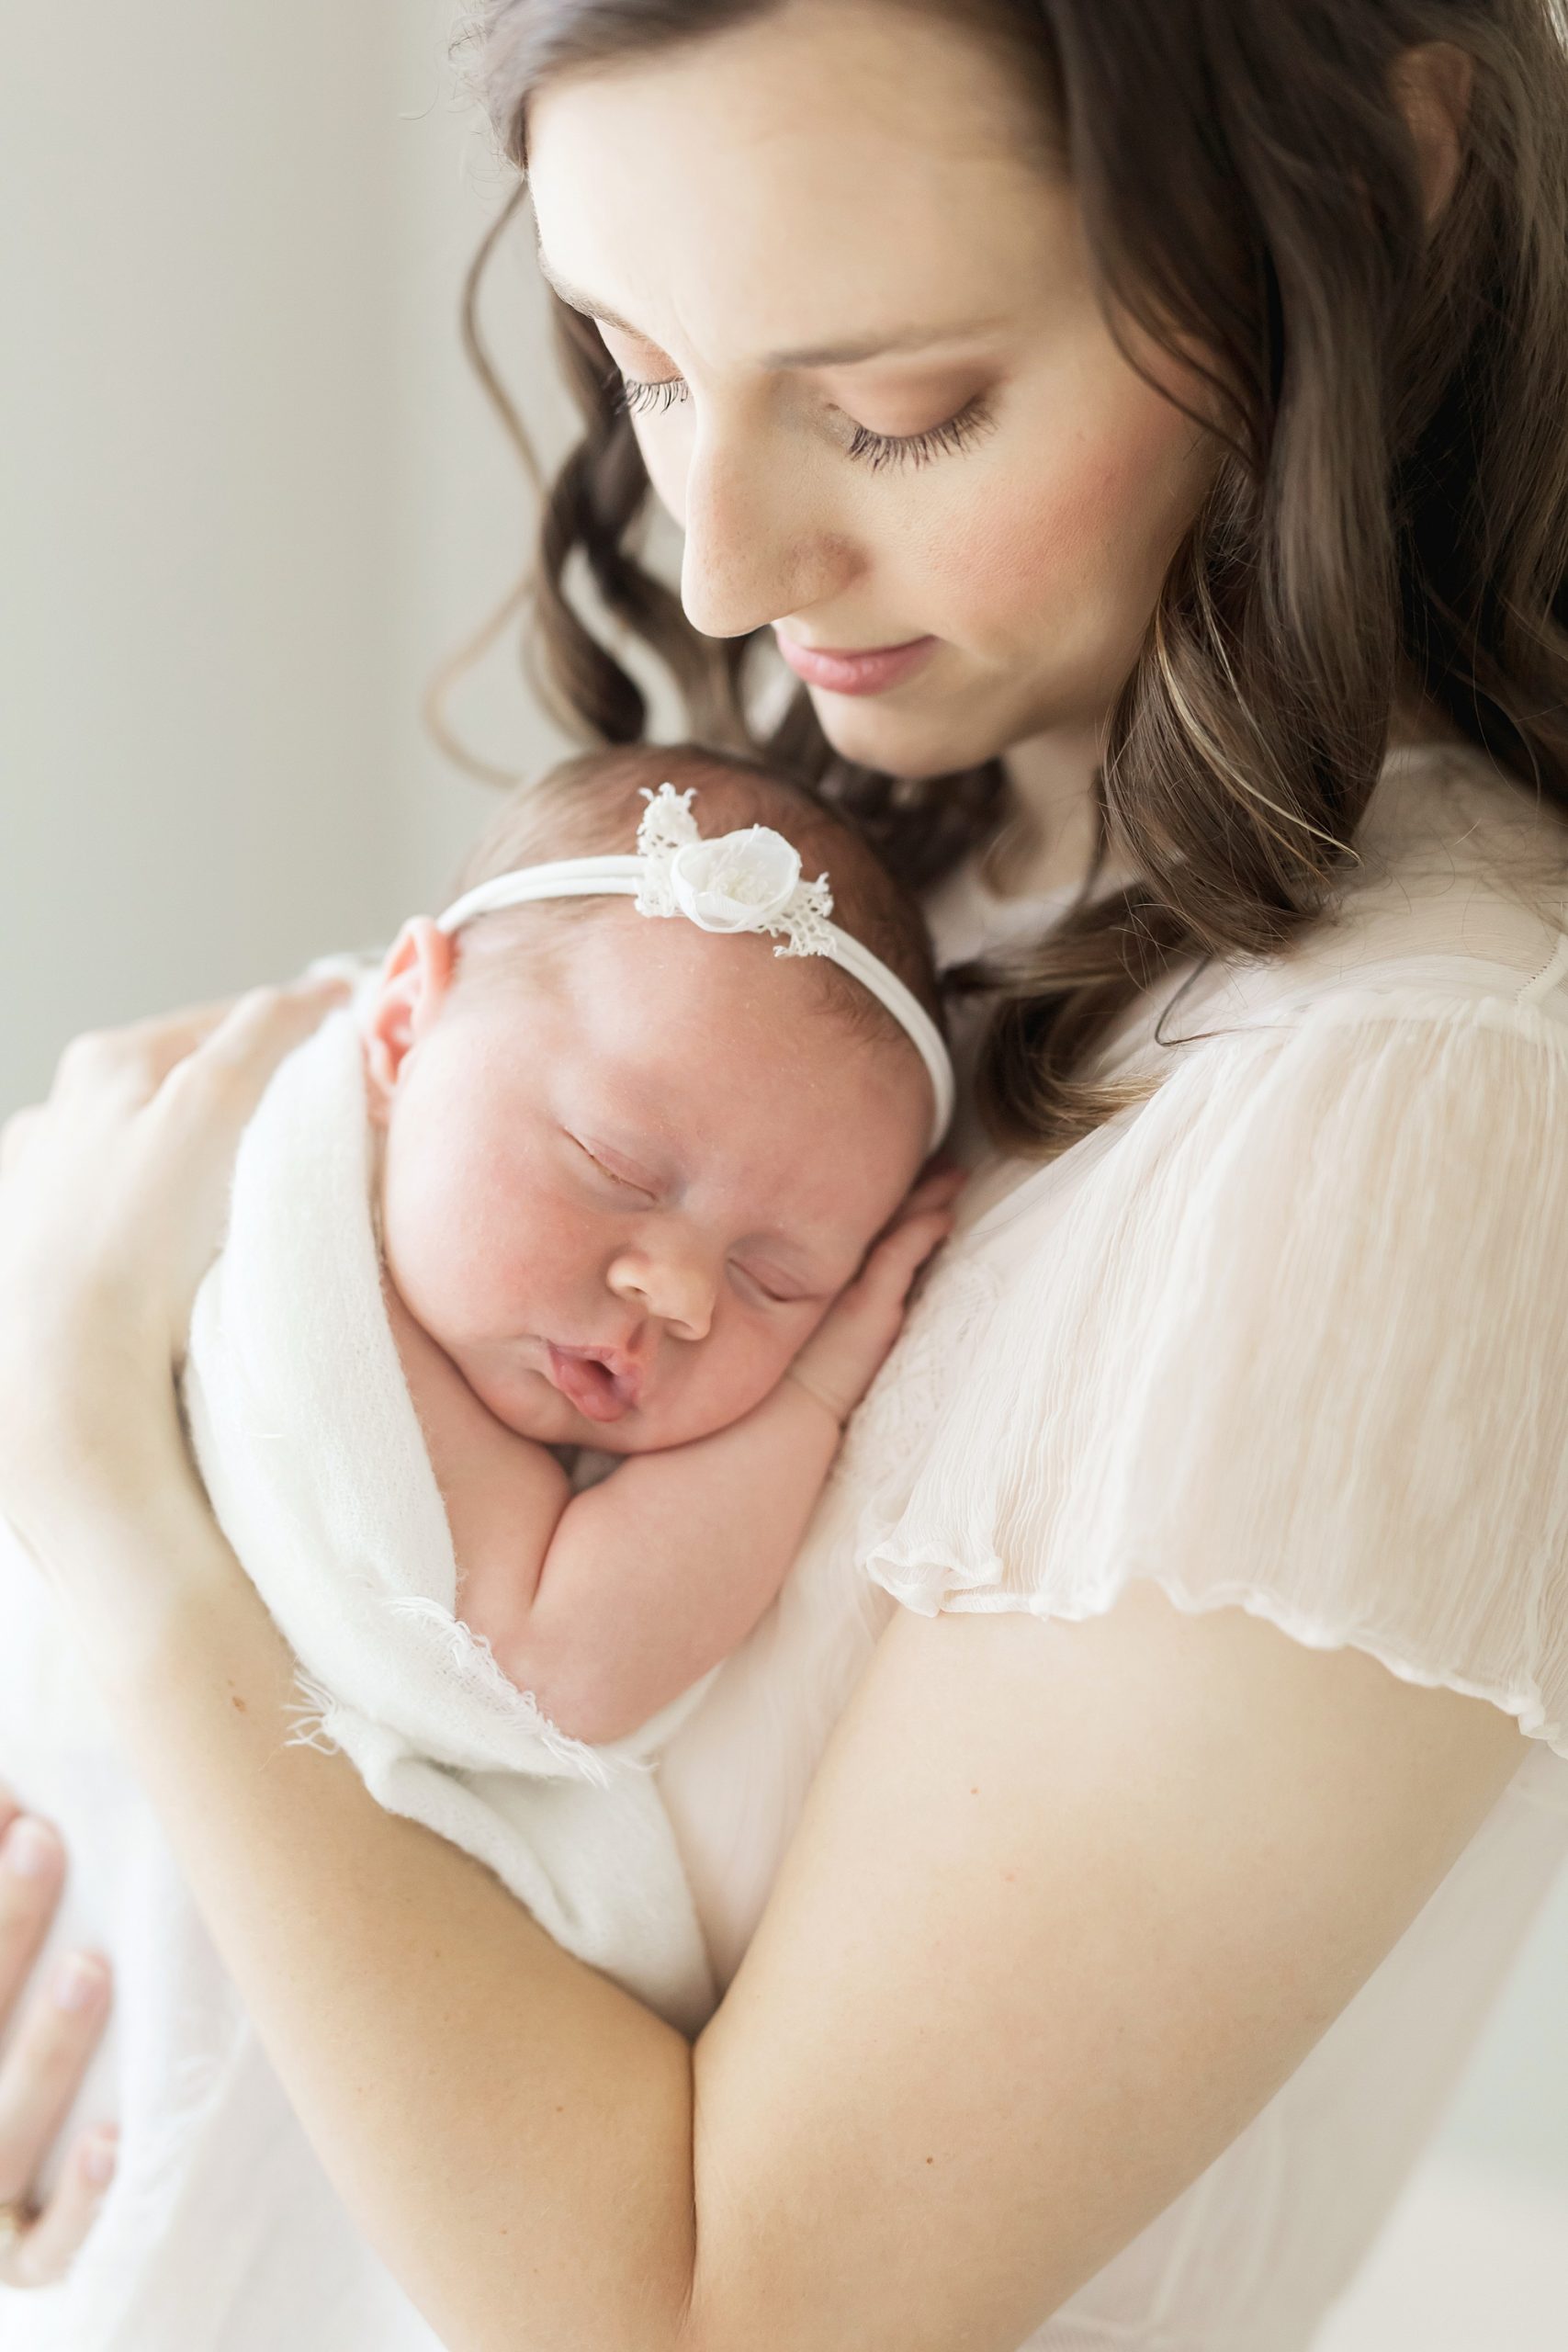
(869, 673)
(586, 1379)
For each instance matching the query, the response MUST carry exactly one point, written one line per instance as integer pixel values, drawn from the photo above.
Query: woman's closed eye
(652, 396)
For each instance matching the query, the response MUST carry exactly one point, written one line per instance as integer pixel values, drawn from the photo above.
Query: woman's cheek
(1083, 550)
(664, 456)
(1008, 557)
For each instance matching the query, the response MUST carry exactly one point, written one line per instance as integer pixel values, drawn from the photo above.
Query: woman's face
(846, 284)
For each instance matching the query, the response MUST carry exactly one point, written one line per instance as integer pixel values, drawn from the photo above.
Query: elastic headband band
(745, 881)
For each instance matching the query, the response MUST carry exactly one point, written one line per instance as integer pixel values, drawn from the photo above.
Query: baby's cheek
(736, 1371)
(450, 1248)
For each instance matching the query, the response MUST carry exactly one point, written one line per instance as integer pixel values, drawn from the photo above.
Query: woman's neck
(1047, 840)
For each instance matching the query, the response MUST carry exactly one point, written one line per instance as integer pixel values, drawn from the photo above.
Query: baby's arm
(503, 1493)
(660, 1571)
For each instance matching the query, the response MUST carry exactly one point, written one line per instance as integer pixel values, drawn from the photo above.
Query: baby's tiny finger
(928, 1234)
(940, 1188)
(50, 2247)
(898, 1258)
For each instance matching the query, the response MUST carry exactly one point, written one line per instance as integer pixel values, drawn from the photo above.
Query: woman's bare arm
(1066, 1905)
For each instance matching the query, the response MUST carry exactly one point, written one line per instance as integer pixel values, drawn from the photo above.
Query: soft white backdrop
(248, 499)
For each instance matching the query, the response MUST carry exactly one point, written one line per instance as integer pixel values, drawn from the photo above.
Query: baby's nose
(679, 1292)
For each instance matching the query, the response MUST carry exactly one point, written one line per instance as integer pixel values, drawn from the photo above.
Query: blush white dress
(1289, 1335)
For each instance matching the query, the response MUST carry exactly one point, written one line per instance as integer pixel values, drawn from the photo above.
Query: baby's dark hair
(592, 806)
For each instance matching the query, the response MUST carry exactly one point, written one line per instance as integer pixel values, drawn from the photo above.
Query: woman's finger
(14, 1135)
(33, 1871)
(158, 1046)
(236, 1057)
(136, 1058)
(41, 2072)
(45, 2251)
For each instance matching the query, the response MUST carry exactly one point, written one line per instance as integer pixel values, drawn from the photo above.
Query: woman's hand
(57, 2031)
(112, 1201)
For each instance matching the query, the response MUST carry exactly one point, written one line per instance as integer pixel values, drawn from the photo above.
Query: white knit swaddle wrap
(312, 1455)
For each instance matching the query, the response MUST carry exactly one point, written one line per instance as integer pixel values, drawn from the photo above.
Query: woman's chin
(897, 735)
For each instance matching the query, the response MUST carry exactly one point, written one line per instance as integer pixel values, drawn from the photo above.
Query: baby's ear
(408, 997)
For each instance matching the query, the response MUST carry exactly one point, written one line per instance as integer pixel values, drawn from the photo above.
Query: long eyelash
(875, 449)
(651, 399)
(959, 432)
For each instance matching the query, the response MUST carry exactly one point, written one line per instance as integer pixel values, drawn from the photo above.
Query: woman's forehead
(798, 186)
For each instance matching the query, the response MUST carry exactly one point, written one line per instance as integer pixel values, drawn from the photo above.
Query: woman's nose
(760, 541)
(678, 1291)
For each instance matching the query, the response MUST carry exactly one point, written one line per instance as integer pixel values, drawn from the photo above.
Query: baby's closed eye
(617, 1171)
(777, 1289)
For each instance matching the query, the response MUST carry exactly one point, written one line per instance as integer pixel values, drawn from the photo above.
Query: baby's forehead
(715, 1046)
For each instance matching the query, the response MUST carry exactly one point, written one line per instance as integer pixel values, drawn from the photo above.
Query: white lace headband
(745, 881)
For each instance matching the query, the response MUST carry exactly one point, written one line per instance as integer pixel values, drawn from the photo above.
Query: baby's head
(628, 1162)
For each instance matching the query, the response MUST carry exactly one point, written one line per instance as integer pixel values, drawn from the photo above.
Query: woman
(1168, 402)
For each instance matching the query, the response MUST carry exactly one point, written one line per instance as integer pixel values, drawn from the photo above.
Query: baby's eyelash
(775, 1297)
(875, 449)
(629, 1183)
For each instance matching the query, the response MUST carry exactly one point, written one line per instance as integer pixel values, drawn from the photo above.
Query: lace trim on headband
(747, 881)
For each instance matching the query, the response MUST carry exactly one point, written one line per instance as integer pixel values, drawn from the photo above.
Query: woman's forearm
(513, 2131)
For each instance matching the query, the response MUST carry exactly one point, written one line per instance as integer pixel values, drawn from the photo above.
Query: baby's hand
(848, 1348)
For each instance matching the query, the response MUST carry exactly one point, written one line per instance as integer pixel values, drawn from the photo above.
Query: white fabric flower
(740, 881)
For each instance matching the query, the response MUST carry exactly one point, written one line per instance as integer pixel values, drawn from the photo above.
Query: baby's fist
(851, 1344)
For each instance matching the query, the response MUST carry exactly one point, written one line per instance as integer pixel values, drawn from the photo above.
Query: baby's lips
(585, 1381)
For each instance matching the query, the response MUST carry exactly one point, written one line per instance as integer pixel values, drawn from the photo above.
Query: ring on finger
(16, 2221)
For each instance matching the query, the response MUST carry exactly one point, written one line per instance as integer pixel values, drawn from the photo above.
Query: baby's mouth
(600, 1382)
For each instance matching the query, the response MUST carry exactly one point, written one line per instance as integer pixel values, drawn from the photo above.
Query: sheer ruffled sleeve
(1295, 1339)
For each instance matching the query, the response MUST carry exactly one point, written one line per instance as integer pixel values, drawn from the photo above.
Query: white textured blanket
(219, 2234)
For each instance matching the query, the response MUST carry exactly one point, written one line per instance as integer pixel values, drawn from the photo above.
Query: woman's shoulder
(1290, 1332)
(1424, 1015)
(1440, 960)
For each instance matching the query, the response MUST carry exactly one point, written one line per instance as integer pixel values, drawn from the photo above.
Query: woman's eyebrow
(885, 344)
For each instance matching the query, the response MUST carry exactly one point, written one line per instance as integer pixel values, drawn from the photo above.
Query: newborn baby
(630, 1181)
(644, 1187)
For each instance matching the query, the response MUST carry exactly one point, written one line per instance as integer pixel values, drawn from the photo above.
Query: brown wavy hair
(1388, 519)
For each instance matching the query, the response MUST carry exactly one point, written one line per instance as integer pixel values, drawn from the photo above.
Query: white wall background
(248, 499)
(247, 495)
